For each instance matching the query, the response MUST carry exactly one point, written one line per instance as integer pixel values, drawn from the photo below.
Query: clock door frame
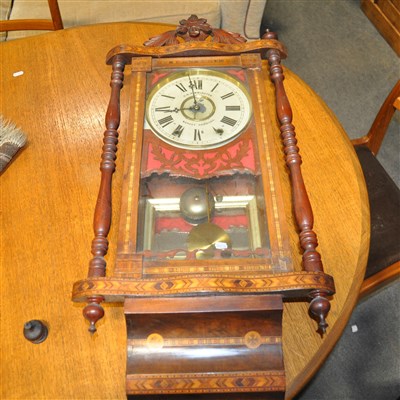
(129, 264)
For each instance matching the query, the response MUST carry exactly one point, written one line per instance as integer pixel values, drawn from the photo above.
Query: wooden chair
(53, 24)
(384, 196)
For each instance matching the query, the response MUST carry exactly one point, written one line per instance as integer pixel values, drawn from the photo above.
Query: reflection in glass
(220, 217)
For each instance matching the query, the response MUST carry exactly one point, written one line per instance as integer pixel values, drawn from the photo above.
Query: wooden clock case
(202, 326)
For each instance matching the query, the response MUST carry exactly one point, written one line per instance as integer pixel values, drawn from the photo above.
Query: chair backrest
(384, 259)
(374, 138)
(53, 24)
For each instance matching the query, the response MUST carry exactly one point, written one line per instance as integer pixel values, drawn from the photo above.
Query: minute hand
(176, 110)
(191, 85)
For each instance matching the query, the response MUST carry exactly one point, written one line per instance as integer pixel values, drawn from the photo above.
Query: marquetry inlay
(251, 340)
(243, 381)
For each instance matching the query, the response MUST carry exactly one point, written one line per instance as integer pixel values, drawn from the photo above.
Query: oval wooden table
(48, 195)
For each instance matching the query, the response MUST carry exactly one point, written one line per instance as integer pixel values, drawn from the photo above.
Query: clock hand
(169, 110)
(176, 109)
(191, 85)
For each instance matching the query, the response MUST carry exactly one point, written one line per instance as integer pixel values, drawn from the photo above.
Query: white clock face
(198, 109)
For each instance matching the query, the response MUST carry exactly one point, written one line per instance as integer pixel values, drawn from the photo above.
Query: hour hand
(167, 109)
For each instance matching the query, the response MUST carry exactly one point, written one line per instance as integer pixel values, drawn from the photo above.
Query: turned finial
(319, 308)
(270, 35)
(93, 312)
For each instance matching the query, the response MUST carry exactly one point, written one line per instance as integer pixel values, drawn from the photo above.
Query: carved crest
(194, 29)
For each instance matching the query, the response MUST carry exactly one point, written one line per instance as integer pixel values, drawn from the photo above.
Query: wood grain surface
(48, 195)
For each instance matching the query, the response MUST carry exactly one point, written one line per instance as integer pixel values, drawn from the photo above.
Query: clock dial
(198, 109)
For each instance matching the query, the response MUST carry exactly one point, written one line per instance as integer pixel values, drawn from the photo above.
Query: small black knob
(35, 331)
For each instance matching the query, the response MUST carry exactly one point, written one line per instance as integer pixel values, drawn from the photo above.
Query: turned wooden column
(311, 259)
(102, 216)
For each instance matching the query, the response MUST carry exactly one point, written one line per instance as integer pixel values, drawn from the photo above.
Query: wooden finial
(319, 308)
(270, 35)
(93, 312)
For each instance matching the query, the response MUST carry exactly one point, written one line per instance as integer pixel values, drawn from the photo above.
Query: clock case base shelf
(224, 344)
(289, 285)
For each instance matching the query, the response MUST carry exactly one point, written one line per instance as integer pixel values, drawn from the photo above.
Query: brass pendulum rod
(208, 203)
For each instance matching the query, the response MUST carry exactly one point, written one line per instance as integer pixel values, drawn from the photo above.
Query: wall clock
(203, 258)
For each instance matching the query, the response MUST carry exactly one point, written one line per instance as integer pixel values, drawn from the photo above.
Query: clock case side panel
(128, 262)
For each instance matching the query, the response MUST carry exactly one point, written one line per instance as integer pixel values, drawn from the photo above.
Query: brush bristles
(10, 133)
(11, 140)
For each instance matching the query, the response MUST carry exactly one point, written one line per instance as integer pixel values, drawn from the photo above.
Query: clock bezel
(178, 74)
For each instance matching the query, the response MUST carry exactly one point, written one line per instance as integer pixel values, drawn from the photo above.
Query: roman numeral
(228, 121)
(197, 134)
(232, 108)
(168, 97)
(166, 108)
(225, 96)
(178, 131)
(166, 121)
(198, 84)
(181, 87)
(214, 87)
